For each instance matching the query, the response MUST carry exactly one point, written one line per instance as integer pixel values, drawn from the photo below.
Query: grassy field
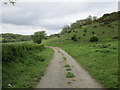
(26, 69)
(99, 59)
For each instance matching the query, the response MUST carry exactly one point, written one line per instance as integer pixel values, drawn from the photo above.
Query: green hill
(105, 28)
(100, 57)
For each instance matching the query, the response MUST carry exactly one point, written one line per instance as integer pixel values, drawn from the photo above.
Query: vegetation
(94, 43)
(70, 75)
(99, 58)
(67, 65)
(94, 38)
(68, 69)
(65, 59)
(24, 64)
(74, 38)
(9, 37)
(11, 51)
(38, 36)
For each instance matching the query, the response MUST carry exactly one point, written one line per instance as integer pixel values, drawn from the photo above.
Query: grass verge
(26, 71)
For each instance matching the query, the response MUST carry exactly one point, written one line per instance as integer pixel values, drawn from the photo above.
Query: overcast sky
(29, 17)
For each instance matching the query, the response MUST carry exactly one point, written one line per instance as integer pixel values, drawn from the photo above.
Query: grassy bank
(99, 59)
(24, 64)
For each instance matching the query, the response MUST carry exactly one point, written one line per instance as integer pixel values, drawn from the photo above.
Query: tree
(38, 36)
(65, 29)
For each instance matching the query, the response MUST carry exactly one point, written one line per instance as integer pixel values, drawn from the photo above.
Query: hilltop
(105, 28)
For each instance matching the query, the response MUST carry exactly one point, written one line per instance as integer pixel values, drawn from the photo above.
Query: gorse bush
(94, 38)
(11, 51)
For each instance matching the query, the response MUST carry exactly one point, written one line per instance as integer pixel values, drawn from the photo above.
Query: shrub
(69, 31)
(12, 51)
(93, 32)
(84, 34)
(94, 38)
(94, 26)
(74, 38)
(115, 37)
(58, 36)
(85, 30)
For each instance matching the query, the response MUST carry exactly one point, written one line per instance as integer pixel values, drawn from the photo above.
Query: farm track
(55, 76)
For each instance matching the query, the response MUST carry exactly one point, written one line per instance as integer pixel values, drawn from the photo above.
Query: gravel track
(55, 76)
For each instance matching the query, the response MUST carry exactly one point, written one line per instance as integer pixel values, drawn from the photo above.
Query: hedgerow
(11, 51)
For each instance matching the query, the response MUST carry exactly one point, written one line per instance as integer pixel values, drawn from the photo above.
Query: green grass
(65, 59)
(67, 65)
(70, 75)
(108, 35)
(26, 71)
(101, 65)
(68, 69)
(99, 59)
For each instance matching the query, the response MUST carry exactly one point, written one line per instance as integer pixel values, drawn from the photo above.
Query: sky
(28, 17)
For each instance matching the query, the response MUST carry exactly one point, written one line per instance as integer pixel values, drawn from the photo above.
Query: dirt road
(55, 76)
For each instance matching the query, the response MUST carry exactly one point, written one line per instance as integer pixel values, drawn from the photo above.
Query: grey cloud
(50, 15)
(30, 13)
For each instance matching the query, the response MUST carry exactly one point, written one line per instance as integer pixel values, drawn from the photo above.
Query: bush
(84, 34)
(115, 37)
(85, 30)
(93, 32)
(94, 38)
(12, 51)
(74, 38)
(94, 26)
(69, 32)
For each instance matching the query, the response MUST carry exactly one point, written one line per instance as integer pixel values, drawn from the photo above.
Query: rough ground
(55, 76)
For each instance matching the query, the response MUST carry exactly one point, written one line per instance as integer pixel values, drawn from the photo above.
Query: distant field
(24, 64)
(99, 59)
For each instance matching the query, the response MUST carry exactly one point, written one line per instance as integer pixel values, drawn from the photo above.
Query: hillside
(100, 56)
(10, 37)
(105, 28)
